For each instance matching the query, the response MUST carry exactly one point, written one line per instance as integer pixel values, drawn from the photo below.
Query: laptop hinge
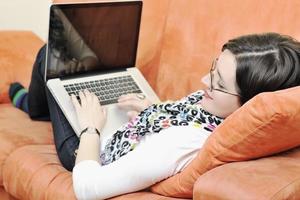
(88, 74)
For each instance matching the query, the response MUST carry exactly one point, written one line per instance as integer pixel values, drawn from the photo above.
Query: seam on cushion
(4, 163)
(275, 116)
(10, 153)
(50, 182)
(34, 174)
(284, 187)
(29, 181)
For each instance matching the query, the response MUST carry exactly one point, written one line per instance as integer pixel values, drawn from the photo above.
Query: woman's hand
(89, 113)
(133, 104)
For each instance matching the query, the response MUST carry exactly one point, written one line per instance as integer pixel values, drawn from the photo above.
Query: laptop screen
(92, 37)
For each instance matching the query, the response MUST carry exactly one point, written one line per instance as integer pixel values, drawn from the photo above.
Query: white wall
(25, 15)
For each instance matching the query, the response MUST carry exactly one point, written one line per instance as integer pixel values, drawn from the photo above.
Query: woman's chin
(208, 105)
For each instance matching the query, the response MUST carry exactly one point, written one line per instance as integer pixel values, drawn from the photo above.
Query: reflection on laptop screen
(92, 37)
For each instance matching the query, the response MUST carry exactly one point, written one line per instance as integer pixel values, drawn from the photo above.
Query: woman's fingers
(90, 103)
(88, 96)
(104, 112)
(82, 99)
(94, 97)
(95, 100)
(132, 104)
(126, 102)
(75, 102)
(89, 113)
(127, 97)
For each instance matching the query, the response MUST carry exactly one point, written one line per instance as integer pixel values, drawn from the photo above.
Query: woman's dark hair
(265, 62)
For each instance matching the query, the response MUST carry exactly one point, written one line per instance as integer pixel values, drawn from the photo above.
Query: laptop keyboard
(107, 90)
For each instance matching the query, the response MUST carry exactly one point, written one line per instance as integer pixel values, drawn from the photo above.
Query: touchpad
(115, 119)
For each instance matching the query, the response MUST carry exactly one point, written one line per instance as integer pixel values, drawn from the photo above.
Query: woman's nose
(206, 80)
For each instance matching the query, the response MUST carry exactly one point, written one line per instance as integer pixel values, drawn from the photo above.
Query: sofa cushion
(17, 51)
(34, 172)
(267, 124)
(275, 177)
(17, 129)
(145, 195)
(31, 172)
(4, 195)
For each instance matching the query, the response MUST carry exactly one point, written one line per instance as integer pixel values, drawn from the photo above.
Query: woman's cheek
(227, 106)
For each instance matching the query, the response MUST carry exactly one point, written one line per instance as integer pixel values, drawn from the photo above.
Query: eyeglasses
(211, 72)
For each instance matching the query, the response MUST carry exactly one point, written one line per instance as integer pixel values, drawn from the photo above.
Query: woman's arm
(90, 115)
(89, 148)
(157, 157)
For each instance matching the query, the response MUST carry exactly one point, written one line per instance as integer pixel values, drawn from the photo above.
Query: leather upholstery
(276, 177)
(178, 40)
(17, 129)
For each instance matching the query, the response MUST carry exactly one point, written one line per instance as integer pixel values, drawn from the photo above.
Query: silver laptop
(93, 46)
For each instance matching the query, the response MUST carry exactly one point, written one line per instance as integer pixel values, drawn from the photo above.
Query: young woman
(161, 139)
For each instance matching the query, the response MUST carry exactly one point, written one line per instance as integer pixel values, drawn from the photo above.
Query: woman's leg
(33, 102)
(66, 141)
(37, 99)
(41, 104)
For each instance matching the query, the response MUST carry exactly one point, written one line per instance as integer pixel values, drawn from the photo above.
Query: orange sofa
(178, 39)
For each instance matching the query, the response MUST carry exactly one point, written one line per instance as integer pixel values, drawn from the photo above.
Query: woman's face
(217, 101)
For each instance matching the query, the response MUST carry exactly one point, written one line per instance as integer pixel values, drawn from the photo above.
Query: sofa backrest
(178, 39)
(17, 54)
(194, 32)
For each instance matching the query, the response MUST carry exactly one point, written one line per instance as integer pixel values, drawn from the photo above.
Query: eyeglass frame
(212, 69)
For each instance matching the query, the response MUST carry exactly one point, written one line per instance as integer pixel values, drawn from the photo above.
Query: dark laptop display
(92, 37)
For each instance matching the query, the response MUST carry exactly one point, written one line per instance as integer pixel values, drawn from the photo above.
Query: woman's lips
(207, 95)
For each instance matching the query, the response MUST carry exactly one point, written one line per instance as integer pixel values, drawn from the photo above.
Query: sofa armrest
(34, 172)
(18, 51)
(275, 177)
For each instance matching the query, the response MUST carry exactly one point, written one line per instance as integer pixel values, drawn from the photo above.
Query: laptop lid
(90, 38)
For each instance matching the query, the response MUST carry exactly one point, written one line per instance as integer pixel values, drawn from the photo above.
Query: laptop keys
(107, 90)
